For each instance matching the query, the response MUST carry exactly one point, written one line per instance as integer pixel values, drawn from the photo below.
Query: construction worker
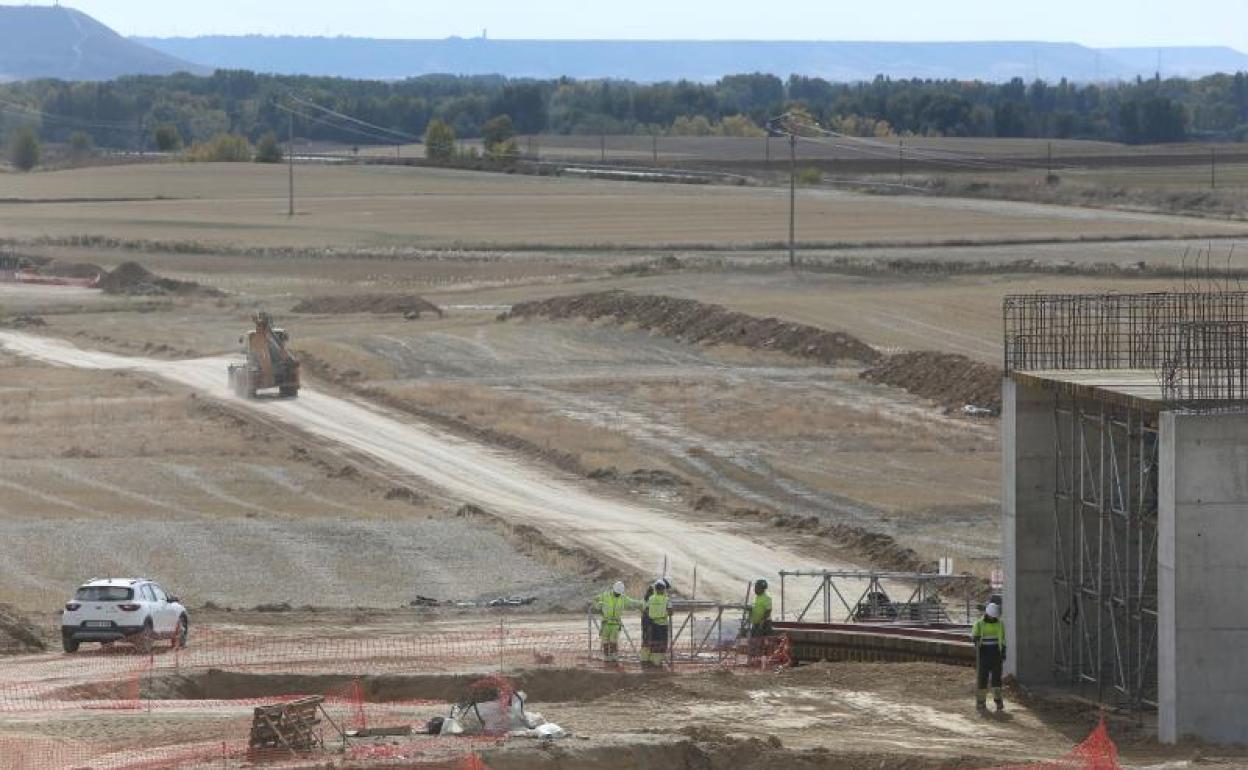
(611, 605)
(988, 634)
(760, 619)
(657, 610)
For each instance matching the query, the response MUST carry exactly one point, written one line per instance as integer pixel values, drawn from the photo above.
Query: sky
(1100, 23)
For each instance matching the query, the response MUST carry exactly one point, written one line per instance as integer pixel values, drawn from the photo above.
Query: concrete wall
(1203, 577)
(1028, 478)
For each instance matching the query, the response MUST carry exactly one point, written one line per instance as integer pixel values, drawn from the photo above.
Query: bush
(24, 150)
(222, 148)
(809, 176)
(439, 141)
(80, 144)
(268, 150)
(167, 137)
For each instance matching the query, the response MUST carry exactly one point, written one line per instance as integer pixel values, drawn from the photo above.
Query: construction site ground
(851, 715)
(610, 450)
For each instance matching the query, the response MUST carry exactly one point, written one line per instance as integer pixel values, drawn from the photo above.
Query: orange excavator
(269, 364)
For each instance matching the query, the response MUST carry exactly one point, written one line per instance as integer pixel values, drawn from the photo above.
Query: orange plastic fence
(118, 682)
(1096, 752)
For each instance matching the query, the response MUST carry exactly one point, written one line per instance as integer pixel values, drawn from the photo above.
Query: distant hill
(56, 42)
(650, 61)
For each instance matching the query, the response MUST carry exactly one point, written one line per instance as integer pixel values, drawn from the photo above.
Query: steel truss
(924, 604)
(1105, 551)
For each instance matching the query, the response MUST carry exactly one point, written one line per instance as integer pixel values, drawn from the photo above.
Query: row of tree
(129, 112)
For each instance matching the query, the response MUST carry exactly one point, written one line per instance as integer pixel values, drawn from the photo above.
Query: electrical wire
(396, 133)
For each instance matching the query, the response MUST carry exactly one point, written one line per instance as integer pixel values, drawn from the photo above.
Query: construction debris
(294, 726)
(696, 322)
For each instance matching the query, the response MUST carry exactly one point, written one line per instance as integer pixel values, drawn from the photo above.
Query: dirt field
(591, 449)
(245, 205)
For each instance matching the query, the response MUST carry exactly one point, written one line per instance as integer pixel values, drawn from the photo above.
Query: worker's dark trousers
(988, 667)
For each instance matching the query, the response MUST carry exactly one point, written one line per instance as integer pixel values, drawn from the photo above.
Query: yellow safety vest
(761, 610)
(656, 609)
(988, 632)
(611, 606)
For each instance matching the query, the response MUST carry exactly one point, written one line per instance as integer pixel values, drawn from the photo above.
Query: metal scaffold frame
(923, 605)
(1105, 550)
(699, 635)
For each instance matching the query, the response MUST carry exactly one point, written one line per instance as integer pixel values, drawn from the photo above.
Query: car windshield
(104, 594)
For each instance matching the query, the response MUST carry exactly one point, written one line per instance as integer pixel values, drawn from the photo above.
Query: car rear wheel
(69, 643)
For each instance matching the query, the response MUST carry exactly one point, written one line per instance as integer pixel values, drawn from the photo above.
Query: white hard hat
(992, 610)
(618, 587)
(660, 583)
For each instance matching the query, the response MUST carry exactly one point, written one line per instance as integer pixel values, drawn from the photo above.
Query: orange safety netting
(1096, 752)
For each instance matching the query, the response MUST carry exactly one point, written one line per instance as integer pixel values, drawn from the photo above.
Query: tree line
(143, 112)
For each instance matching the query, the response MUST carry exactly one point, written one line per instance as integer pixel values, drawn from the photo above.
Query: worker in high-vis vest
(988, 634)
(658, 610)
(611, 606)
(760, 618)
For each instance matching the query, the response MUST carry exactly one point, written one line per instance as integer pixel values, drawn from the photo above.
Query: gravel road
(561, 506)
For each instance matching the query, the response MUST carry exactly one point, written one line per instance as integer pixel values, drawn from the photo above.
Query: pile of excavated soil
(17, 634)
(696, 322)
(133, 279)
(407, 305)
(952, 380)
(22, 321)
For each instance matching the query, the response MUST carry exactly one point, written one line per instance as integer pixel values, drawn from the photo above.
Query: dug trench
(662, 729)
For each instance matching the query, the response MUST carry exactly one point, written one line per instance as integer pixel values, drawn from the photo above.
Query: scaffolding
(924, 604)
(1105, 550)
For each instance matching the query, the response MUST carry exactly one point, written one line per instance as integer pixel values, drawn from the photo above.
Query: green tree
(167, 137)
(268, 150)
(24, 150)
(80, 144)
(439, 141)
(499, 135)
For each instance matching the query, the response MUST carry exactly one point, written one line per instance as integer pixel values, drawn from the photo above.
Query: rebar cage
(1194, 341)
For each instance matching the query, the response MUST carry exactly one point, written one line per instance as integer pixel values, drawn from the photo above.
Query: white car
(134, 610)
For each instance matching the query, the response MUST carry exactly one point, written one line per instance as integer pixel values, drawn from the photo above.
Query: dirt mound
(952, 380)
(407, 305)
(22, 321)
(696, 322)
(17, 634)
(133, 279)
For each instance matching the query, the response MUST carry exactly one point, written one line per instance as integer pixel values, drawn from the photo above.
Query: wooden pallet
(294, 726)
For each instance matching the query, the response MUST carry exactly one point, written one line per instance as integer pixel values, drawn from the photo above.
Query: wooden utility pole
(654, 146)
(603, 137)
(290, 164)
(1050, 163)
(792, 200)
(1213, 169)
(901, 160)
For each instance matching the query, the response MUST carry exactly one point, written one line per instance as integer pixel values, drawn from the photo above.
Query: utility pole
(654, 146)
(1050, 163)
(767, 148)
(290, 164)
(603, 138)
(1213, 169)
(901, 160)
(792, 200)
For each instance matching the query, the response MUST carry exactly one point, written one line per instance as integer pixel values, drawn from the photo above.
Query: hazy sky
(1092, 22)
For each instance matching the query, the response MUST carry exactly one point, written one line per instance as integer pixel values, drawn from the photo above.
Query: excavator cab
(269, 364)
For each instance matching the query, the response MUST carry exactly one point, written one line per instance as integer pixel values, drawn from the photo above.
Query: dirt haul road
(628, 533)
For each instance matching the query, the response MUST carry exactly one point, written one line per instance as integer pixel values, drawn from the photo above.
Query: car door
(151, 606)
(168, 612)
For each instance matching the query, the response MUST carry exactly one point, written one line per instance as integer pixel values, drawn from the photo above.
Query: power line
(394, 132)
